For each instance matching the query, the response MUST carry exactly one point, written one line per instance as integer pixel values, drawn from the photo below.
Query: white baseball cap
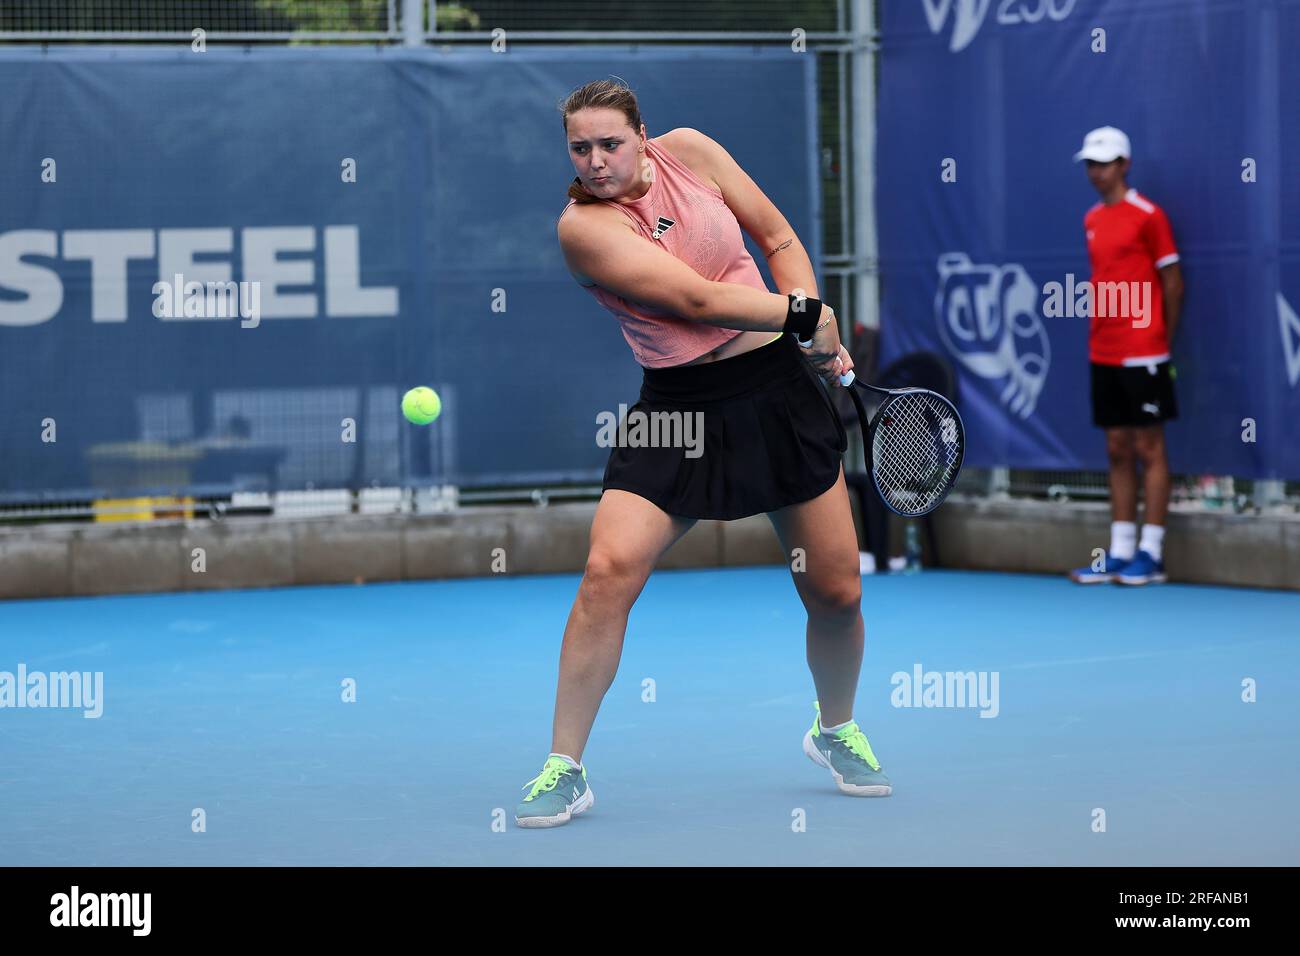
(1104, 144)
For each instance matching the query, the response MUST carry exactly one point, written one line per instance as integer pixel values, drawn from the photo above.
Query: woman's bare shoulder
(693, 149)
(681, 140)
(582, 224)
(582, 217)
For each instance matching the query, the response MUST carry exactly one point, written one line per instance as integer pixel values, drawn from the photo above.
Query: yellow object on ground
(142, 509)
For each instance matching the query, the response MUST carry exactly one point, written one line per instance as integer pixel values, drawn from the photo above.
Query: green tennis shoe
(557, 795)
(848, 756)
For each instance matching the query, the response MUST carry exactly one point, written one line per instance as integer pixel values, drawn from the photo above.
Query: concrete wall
(1044, 536)
(58, 560)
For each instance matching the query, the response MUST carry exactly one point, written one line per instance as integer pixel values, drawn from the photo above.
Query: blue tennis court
(1127, 701)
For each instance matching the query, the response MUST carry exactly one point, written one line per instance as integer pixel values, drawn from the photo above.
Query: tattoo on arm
(778, 248)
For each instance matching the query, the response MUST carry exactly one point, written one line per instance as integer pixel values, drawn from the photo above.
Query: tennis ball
(421, 405)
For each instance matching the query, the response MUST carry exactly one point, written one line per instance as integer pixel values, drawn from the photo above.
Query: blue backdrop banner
(983, 104)
(357, 222)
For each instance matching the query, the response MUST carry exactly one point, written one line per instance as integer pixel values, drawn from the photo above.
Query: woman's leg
(628, 536)
(831, 589)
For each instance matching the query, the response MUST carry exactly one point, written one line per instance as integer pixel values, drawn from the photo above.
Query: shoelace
(853, 738)
(548, 778)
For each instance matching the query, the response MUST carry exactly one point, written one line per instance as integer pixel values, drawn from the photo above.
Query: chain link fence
(644, 16)
(360, 20)
(1204, 492)
(272, 20)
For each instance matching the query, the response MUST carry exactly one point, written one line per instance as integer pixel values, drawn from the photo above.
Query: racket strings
(916, 451)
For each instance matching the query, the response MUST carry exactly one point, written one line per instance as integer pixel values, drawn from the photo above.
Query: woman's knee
(834, 598)
(613, 576)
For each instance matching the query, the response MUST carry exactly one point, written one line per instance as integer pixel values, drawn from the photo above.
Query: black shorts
(752, 434)
(1127, 396)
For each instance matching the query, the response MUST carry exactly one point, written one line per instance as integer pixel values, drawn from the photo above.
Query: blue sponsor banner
(998, 94)
(346, 224)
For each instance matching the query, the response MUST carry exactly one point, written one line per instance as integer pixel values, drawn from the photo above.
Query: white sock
(1153, 540)
(832, 730)
(1123, 540)
(569, 760)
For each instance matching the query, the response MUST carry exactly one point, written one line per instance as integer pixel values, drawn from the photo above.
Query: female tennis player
(652, 229)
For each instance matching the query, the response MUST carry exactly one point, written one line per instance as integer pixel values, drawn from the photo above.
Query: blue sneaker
(559, 793)
(1100, 572)
(1143, 569)
(848, 756)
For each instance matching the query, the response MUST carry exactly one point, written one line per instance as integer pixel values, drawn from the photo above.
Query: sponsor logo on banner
(293, 271)
(969, 15)
(1290, 325)
(988, 319)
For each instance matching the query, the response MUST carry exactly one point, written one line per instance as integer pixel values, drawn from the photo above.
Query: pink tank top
(695, 225)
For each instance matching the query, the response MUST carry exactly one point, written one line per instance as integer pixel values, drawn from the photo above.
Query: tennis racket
(913, 446)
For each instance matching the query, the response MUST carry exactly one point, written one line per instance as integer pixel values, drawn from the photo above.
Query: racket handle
(847, 378)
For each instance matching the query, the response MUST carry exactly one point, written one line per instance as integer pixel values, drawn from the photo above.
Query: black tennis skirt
(729, 439)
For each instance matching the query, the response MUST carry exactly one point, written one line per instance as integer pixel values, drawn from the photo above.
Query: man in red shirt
(1137, 292)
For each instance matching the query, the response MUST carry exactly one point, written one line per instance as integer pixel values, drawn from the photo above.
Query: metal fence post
(866, 287)
(1000, 482)
(412, 22)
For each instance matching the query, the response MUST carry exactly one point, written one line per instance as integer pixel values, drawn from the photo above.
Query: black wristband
(802, 321)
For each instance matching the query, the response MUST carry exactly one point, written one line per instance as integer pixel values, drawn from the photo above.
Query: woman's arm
(787, 259)
(598, 245)
(792, 270)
